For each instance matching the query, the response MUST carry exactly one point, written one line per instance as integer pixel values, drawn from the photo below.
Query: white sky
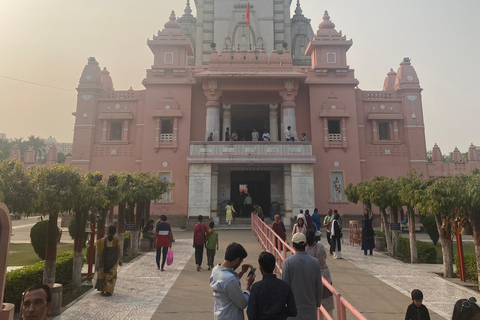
(49, 41)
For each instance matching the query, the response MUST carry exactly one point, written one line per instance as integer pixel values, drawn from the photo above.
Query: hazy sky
(49, 41)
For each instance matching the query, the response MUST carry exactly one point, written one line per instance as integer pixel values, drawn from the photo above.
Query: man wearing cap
(303, 274)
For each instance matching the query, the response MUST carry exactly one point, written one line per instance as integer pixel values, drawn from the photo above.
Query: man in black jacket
(270, 298)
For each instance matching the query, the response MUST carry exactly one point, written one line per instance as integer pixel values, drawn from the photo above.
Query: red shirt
(164, 234)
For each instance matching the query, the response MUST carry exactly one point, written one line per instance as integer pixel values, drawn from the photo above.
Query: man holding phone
(225, 282)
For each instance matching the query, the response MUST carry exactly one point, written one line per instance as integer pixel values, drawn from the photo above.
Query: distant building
(3, 136)
(62, 147)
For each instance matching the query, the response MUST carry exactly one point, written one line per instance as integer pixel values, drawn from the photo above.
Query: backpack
(199, 234)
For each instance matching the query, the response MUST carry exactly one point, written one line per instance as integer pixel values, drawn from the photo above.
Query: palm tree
(38, 146)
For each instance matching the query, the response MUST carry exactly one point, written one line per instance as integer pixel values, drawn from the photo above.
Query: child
(417, 311)
(212, 242)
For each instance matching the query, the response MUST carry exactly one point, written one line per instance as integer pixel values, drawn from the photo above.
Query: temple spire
(298, 9)
(188, 9)
(326, 23)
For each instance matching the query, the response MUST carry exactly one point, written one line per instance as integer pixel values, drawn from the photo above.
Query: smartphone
(252, 272)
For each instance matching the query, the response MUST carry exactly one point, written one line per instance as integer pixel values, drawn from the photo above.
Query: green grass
(22, 254)
(467, 248)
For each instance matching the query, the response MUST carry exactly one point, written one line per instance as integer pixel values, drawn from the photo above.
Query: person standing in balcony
(210, 137)
(288, 135)
(266, 136)
(234, 136)
(255, 135)
(304, 137)
(227, 134)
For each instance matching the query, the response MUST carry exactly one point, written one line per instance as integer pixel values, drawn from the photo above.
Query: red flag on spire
(247, 15)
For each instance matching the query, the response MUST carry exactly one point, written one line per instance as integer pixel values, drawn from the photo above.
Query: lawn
(22, 254)
(468, 247)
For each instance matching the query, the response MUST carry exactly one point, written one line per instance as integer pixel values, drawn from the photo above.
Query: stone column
(157, 133)
(287, 188)
(344, 134)
(213, 120)
(227, 119)
(289, 119)
(273, 122)
(104, 130)
(375, 131)
(395, 130)
(125, 130)
(214, 194)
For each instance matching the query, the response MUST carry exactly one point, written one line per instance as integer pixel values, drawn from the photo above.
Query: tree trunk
(388, 233)
(110, 216)
(51, 250)
(138, 221)
(444, 231)
(121, 225)
(134, 233)
(100, 228)
(412, 235)
(78, 243)
(395, 233)
(147, 211)
(77, 262)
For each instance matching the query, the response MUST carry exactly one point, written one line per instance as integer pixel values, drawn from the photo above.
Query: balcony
(335, 137)
(250, 152)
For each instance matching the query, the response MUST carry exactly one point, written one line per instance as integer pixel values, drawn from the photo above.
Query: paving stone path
(139, 290)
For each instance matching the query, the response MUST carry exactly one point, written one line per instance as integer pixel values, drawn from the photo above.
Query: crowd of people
(233, 136)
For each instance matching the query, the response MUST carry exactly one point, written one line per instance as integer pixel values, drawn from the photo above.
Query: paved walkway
(378, 286)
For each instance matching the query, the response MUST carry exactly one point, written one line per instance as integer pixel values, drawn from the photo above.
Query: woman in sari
(108, 254)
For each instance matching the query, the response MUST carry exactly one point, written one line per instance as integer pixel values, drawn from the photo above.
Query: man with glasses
(36, 302)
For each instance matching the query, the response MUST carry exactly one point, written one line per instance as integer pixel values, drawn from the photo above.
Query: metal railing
(271, 242)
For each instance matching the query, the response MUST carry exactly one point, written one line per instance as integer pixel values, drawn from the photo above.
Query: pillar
(274, 122)
(104, 130)
(289, 119)
(213, 120)
(287, 188)
(214, 194)
(395, 130)
(227, 119)
(157, 133)
(125, 130)
(375, 131)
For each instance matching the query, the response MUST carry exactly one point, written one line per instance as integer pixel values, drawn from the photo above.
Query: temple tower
(302, 33)
(90, 89)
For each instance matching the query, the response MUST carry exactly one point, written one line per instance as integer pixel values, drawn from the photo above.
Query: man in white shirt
(255, 135)
(266, 136)
(288, 135)
(225, 282)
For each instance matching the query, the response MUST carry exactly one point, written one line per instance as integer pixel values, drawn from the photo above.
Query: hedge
(426, 251)
(20, 279)
(470, 266)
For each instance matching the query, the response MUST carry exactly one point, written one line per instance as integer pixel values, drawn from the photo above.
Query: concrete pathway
(378, 286)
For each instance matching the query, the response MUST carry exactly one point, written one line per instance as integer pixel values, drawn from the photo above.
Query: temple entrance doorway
(245, 118)
(255, 183)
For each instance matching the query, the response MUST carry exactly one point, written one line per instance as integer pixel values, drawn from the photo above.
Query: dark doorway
(245, 118)
(257, 183)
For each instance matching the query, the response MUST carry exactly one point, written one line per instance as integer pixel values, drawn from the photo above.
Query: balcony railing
(335, 137)
(165, 137)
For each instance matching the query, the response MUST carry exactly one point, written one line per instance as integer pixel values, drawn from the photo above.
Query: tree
(125, 183)
(83, 204)
(473, 194)
(38, 146)
(383, 197)
(61, 157)
(441, 198)
(411, 190)
(57, 188)
(16, 187)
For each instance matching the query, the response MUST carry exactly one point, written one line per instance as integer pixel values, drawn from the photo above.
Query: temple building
(219, 72)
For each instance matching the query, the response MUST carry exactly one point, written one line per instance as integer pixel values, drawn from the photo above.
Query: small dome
(172, 23)
(391, 73)
(326, 23)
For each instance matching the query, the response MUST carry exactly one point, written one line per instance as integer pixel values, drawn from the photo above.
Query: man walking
(270, 298)
(327, 222)
(303, 273)
(164, 235)
(247, 205)
(225, 282)
(200, 232)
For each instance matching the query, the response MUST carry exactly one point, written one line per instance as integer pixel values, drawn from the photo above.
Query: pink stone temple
(212, 72)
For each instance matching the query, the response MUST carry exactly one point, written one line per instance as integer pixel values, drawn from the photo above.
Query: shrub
(16, 281)
(426, 251)
(431, 228)
(470, 267)
(71, 227)
(381, 234)
(38, 238)
(126, 241)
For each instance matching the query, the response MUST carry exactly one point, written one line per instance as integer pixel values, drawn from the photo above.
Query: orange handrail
(267, 239)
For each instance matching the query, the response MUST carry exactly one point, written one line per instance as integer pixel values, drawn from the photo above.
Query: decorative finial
(298, 9)
(172, 22)
(188, 10)
(326, 23)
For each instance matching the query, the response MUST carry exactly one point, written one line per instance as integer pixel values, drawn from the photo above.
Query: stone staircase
(237, 224)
